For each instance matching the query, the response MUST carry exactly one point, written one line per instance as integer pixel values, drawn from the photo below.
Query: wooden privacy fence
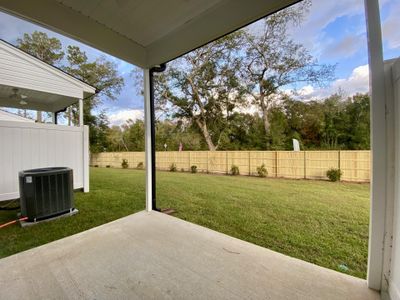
(355, 165)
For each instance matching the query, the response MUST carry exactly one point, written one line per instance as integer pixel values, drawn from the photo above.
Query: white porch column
(147, 120)
(86, 158)
(379, 148)
(80, 112)
(53, 117)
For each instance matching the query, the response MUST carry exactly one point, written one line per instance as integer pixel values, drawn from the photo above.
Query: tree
(98, 131)
(273, 60)
(358, 118)
(278, 128)
(134, 135)
(40, 45)
(202, 87)
(116, 139)
(100, 73)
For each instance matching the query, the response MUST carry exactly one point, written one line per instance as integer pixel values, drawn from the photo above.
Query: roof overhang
(144, 32)
(36, 84)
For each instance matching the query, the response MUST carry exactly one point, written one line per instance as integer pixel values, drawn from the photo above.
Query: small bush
(140, 166)
(193, 169)
(108, 166)
(262, 171)
(334, 174)
(172, 167)
(124, 164)
(235, 170)
(182, 170)
(96, 166)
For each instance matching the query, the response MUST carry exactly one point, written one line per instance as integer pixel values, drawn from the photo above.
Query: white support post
(80, 112)
(147, 120)
(379, 146)
(53, 117)
(86, 158)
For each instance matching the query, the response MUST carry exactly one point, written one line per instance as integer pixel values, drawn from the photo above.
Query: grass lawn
(321, 222)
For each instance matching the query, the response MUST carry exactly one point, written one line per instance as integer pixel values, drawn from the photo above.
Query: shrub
(334, 174)
(124, 164)
(140, 166)
(108, 166)
(172, 167)
(193, 169)
(96, 166)
(262, 171)
(235, 170)
(182, 170)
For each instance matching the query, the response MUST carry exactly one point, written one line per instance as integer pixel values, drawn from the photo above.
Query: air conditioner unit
(46, 192)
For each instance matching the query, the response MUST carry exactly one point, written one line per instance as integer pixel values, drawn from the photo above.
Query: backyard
(318, 221)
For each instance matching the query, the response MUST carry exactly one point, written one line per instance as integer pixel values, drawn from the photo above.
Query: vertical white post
(80, 112)
(379, 146)
(53, 117)
(147, 120)
(85, 133)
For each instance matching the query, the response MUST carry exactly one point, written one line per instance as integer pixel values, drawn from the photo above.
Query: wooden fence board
(355, 165)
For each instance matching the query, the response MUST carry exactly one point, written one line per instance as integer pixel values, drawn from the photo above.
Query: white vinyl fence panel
(27, 146)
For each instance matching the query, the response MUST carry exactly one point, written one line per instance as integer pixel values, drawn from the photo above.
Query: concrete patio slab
(155, 256)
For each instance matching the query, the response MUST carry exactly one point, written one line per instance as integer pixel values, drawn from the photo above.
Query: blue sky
(334, 32)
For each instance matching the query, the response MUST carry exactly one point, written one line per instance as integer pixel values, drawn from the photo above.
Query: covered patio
(151, 255)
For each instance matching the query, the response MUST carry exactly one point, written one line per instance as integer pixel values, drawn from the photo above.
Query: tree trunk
(206, 134)
(264, 110)
(266, 121)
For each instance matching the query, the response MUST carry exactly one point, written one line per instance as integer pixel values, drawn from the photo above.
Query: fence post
(305, 165)
(207, 161)
(249, 163)
(226, 162)
(276, 163)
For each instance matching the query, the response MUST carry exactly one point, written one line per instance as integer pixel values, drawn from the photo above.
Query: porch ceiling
(35, 100)
(144, 32)
(155, 256)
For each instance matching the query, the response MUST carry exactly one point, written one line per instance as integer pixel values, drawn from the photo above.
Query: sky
(334, 32)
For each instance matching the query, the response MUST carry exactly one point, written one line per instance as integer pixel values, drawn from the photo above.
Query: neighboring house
(8, 116)
(29, 83)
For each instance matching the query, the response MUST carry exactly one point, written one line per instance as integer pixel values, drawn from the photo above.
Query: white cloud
(357, 82)
(346, 47)
(323, 13)
(390, 27)
(120, 117)
(306, 91)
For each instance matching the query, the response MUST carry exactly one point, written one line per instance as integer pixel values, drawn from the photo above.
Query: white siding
(26, 146)
(20, 70)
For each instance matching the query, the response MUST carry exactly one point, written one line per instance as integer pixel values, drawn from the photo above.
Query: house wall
(20, 70)
(27, 145)
(394, 279)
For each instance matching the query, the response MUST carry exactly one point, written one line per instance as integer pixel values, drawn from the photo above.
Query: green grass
(321, 222)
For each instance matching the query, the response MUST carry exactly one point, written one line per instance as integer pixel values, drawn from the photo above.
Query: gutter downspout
(156, 69)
